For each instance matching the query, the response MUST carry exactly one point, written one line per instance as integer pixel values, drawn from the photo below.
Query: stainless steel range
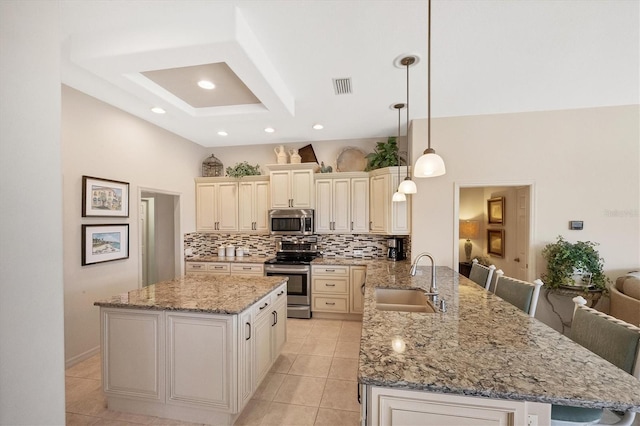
(293, 260)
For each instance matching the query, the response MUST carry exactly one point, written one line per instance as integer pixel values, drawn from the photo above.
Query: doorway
(513, 253)
(160, 237)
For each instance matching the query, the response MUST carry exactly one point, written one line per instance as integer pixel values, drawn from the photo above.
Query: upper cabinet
(386, 216)
(253, 204)
(292, 185)
(216, 205)
(230, 205)
(342, 203)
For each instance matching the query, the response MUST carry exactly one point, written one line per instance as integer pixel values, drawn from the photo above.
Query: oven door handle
(286, 271)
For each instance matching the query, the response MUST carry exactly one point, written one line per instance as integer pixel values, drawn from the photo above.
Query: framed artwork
(495, 242)
(495, 209)
(104, 243)
(104, 197)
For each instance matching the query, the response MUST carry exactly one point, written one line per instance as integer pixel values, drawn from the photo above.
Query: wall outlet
(358, 253)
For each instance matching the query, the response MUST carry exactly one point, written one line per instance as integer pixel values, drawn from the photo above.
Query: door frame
(498, 183)
(178, 237)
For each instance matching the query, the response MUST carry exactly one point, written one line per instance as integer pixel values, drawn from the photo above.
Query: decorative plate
(351, 160)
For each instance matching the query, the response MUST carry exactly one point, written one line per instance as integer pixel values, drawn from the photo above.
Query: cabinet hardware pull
(196, 266)
(352, 226)
(275, 318)
(330, 270)
(249, 324)
(218, 267)
(370, 227)
(281, 293)
(246, 268)
(265, 305)
(330, 303)
(329, 285)
(362, 288)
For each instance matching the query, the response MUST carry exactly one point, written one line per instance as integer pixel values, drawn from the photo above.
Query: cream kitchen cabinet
(224, 268)
(270, 319)
(253, 204)
(342, 203)
(292, 185)
(216, 205)
(385, 406)
(387, 217)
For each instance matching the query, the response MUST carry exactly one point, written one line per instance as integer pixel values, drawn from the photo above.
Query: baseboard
(79, 358)
(336, 316)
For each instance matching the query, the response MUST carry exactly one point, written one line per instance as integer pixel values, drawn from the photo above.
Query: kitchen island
(193, 349)
(482, 361)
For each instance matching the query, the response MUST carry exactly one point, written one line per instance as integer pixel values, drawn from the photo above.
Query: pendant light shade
(429, 164)
(407, 186)
(398, 197)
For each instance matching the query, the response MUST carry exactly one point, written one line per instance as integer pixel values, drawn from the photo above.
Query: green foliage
(564, 258)
(243, 169)
(385, 155)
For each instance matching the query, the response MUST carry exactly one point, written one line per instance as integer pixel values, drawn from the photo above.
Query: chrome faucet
(433, 291)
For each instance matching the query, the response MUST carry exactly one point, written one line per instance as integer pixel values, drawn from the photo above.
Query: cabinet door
(199, 360)
(133, 353)
(245, 357)
(227, 206)
(206, 196)
(280, 189)
(262, 354)
(358, 275)
(302, 189)
(360, 205)
(400, 212)
(324, 205)
(246, 213)
(279, 329)
(342, 205)
(379, 202)
(261, 207)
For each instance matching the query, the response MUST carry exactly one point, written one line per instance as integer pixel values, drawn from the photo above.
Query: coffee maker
(395, 249)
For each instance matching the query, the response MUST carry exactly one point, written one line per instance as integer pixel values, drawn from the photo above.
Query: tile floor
(313, 382)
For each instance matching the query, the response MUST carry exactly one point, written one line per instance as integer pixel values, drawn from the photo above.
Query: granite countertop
(213, 294)
(482, 346)
(234, 259)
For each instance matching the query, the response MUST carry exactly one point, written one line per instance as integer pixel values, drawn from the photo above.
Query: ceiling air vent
(342, 86)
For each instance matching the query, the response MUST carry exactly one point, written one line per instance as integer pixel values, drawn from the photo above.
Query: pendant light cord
(429, 78)
(408, 153)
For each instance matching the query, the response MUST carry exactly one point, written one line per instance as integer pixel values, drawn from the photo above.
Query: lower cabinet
(223, 268)
(384, 406)
(358, 279)
(190, 366)
(337, 288)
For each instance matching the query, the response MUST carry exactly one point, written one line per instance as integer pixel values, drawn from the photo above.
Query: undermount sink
(405, 300)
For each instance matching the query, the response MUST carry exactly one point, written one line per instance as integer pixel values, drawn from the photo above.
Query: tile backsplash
(334, 245)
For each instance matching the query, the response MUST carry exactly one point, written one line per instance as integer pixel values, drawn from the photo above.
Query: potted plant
(385, 155)
(243, 169)
(573, 265)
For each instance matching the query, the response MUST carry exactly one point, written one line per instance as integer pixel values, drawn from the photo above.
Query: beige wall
(102, 141)
(31, 286)
(583, 164)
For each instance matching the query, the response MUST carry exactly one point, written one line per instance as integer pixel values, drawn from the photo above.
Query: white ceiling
(488, 56)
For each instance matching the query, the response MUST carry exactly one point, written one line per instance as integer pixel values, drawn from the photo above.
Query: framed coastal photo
(104, 197)
(495, 210)
(495, 242)
(104, 243)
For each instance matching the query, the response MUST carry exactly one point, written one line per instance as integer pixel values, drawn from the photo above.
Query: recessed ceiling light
(206, 84)
(318, 126)
(158, 110)
(223, 133)
(269, 130)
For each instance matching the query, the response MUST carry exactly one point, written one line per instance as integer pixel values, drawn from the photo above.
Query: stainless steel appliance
(291, 222)
(395, 249)
(293, 260)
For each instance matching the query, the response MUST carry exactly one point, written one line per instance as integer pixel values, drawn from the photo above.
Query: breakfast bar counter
(481, 346)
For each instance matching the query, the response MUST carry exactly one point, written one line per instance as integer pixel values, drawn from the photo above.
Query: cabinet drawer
(218, 268)
(196, 267)
(247, 268)
(330, 270)
(330, 285)
(262, 307)
(280, 293)
(330, 304)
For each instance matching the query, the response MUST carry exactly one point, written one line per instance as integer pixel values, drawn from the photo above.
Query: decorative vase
(295, 157)
(281, 154)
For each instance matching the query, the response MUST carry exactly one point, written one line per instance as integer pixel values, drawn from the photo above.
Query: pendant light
(398, 196)
(429, 164)
(407, 186)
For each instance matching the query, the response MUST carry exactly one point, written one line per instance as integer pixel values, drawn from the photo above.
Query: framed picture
(495, 242)
(104, 197)
(104, 243)
(495, 209)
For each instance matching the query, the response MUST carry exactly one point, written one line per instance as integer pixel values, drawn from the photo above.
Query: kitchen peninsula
(483, 360)
(193, 349)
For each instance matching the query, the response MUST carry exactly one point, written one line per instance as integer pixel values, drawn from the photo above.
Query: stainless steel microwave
(291, 222)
